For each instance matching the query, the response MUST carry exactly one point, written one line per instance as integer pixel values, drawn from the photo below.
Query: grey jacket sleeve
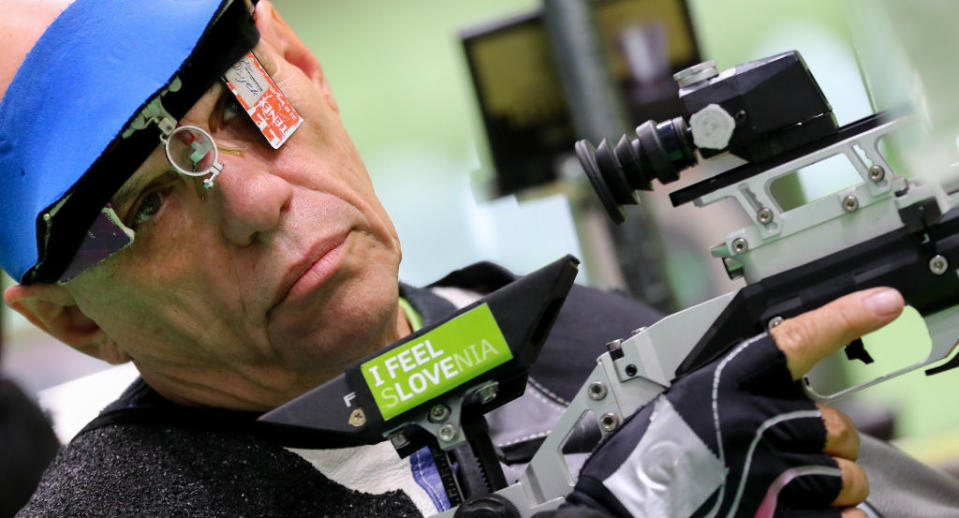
(902, 486)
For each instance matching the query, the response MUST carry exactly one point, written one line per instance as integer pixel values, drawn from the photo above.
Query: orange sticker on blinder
(263, 101)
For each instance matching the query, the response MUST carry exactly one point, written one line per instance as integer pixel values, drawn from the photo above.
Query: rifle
(771, 115)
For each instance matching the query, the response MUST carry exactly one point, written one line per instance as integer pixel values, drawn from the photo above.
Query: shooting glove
(723, 441)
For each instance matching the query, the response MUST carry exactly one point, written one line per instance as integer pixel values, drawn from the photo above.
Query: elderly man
(239, 265)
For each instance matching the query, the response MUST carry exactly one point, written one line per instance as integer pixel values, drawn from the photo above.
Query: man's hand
(812, 336)
(739, 437)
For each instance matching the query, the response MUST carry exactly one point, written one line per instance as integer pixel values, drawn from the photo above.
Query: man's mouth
(317, 265)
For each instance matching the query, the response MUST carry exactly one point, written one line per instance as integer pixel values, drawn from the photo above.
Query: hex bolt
(399, 440)
(850, 203)
(740, 245)
(712, 127)
(439, 413)
(596, 390)
(876, 173)
(775, 321)
(764, 215)
(357, 418)
(447, 432)
(608, 422)
(938, 265)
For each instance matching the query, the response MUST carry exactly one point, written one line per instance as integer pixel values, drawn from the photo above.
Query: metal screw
(447, 432)
(357, 418)
(614, 345)
(850, 203)
(938, 265)
(764, 215)
(596, 390)
(775, 321)
(399, 440)
(486, 393)
(876, 173)
(631, 370)
(609, 422)
(740, 245)
(696, 73)
(439, 413)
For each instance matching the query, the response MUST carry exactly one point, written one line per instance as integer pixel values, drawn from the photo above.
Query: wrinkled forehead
(61, 118)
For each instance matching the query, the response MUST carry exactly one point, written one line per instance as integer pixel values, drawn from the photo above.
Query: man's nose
(251, 202)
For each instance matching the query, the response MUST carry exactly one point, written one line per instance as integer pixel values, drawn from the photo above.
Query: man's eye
(231, 110)
(148, 207)
(227, 109)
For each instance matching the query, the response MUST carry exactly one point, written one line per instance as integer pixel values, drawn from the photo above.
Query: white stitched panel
(670, 473)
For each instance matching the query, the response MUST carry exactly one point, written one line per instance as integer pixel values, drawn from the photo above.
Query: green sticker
(436, 362)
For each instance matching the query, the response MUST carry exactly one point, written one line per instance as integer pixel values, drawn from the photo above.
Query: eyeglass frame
(109, 234)
(168, 128)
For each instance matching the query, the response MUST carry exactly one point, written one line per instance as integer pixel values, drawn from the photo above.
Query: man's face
(280, 277)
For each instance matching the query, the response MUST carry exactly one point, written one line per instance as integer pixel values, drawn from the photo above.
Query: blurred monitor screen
(525, 114)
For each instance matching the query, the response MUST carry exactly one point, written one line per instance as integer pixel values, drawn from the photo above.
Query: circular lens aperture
(192, 151)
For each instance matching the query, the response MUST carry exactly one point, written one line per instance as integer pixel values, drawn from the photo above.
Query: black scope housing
(776, 106)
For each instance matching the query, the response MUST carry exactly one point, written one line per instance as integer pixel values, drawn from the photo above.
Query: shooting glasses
(107, 82)
(192, 152)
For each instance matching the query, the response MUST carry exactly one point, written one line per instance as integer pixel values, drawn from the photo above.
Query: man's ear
(52, 308)
(280, 36)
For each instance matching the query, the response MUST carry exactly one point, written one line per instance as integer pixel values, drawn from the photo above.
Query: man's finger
(855, 485)
(842, 439)
(812, 336)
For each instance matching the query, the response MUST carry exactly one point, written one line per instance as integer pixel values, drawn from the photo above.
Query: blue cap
(90, 73)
